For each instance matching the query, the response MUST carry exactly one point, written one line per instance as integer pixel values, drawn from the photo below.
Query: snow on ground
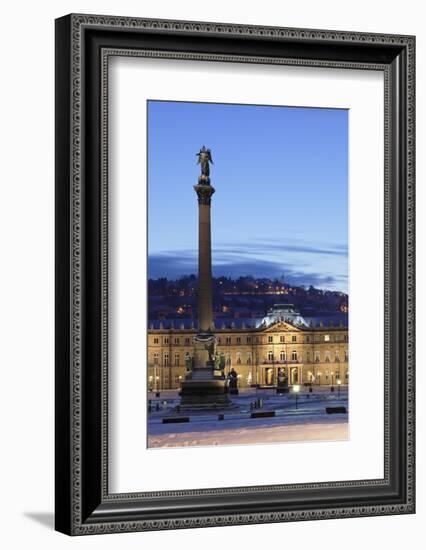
(245, 434)
(309, 422)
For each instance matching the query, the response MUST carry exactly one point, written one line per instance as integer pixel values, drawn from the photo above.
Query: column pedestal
(205, 388)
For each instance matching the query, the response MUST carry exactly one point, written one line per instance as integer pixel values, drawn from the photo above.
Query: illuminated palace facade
(306, 349)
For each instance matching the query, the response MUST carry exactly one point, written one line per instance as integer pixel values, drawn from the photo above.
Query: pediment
(281, 326)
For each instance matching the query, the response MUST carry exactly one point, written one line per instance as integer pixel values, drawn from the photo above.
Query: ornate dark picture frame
(83, 45)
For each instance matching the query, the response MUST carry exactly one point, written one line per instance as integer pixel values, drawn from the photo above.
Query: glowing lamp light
(296, 389)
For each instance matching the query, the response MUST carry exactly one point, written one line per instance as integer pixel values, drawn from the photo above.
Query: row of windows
(248, 339)
(271, 357)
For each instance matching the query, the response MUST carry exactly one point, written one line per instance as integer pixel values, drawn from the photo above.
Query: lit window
(326, 338)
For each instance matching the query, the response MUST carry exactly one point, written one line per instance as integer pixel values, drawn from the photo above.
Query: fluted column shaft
(205, 300)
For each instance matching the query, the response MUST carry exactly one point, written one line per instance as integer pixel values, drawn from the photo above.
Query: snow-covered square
(247, 423)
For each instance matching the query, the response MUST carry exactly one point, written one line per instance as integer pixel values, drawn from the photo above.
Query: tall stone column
(205, 303)
(204, 387)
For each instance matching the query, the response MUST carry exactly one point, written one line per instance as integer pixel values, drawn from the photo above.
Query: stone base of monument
(204, 391)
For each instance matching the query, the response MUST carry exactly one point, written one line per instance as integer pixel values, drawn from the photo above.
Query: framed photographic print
(234, 274)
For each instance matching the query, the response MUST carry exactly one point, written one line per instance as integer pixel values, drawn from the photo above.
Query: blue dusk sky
(281, 203)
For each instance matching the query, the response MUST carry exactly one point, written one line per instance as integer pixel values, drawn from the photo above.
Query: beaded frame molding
(84, 44)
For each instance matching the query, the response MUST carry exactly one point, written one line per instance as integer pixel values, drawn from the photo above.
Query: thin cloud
(238, 263)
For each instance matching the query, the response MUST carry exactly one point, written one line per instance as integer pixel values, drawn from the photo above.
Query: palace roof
(334, 319)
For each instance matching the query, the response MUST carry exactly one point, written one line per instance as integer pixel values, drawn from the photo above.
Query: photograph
(247, 268)
(234, 272)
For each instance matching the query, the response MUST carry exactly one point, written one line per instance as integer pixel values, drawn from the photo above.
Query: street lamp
(339, 383)
(296, 390)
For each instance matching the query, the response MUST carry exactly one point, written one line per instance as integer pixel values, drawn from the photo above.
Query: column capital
(204, 193)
